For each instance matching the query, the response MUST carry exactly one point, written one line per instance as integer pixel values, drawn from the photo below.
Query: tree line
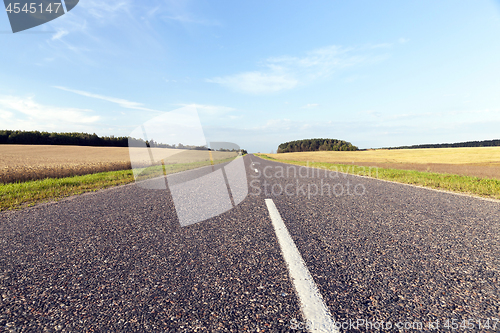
(316, 145)
(53, 138)
(80, 139)
(84, 139)
(485, 143)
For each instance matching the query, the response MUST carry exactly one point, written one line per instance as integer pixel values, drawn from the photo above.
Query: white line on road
(316, 313)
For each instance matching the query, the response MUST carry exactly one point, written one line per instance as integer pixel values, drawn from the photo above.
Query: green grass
(30, 193)
(483, 187)
(19, 195)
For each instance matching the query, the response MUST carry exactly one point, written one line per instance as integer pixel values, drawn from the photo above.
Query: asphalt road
(119, 261)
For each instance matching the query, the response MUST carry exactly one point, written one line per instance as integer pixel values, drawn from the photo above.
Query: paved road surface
(118, 260)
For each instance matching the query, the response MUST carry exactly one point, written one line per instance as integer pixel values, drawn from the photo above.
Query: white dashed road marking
(316, 313)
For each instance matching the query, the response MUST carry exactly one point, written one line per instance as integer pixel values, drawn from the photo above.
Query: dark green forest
(84, 139)
(486, 143)
(316, 145)
(78, 139)
(74, 138)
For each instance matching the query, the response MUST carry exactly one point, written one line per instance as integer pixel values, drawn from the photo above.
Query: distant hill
(316, 145)
(486, 143)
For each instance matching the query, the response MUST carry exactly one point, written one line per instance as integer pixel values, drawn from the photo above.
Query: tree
(315, 145)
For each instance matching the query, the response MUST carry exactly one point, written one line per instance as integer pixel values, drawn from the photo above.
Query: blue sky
(384, 73)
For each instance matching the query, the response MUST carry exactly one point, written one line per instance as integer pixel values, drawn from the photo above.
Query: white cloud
(403, 40)
(119, 18)
(377, 130)
(276, 125)
(470, 115)
(371, 113)
(105, 30)
(186, 18)
(103, 9)
(153, 11)
(57, 45)
(287, 72)
(308, 106)
(25, 113)
(211, 110)
(60, 34)
(185, 13)
(379, 46)
(5, 114)
(121, 102)
(256, 82)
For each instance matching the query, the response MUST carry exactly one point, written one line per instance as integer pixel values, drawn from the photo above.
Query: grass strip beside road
(29, 193)
(483, 187)
(25, 194)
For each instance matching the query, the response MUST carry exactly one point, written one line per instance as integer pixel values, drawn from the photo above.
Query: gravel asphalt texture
(118, 260)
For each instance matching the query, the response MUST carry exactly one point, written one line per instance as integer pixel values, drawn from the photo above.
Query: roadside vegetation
(483, 187)
(166, 169)
(24, 194)
(53, 138)
(19, 163)
(315, 145)
(484, 155)
(27, 173)
(481, 162)
(85, 139)
(28, 193)
(485, 143)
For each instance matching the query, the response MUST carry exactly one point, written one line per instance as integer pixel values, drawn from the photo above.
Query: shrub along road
(118, 260)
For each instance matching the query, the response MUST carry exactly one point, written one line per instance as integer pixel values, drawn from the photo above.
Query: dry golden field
(481, 162)
(31, 162)
(32, 155)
